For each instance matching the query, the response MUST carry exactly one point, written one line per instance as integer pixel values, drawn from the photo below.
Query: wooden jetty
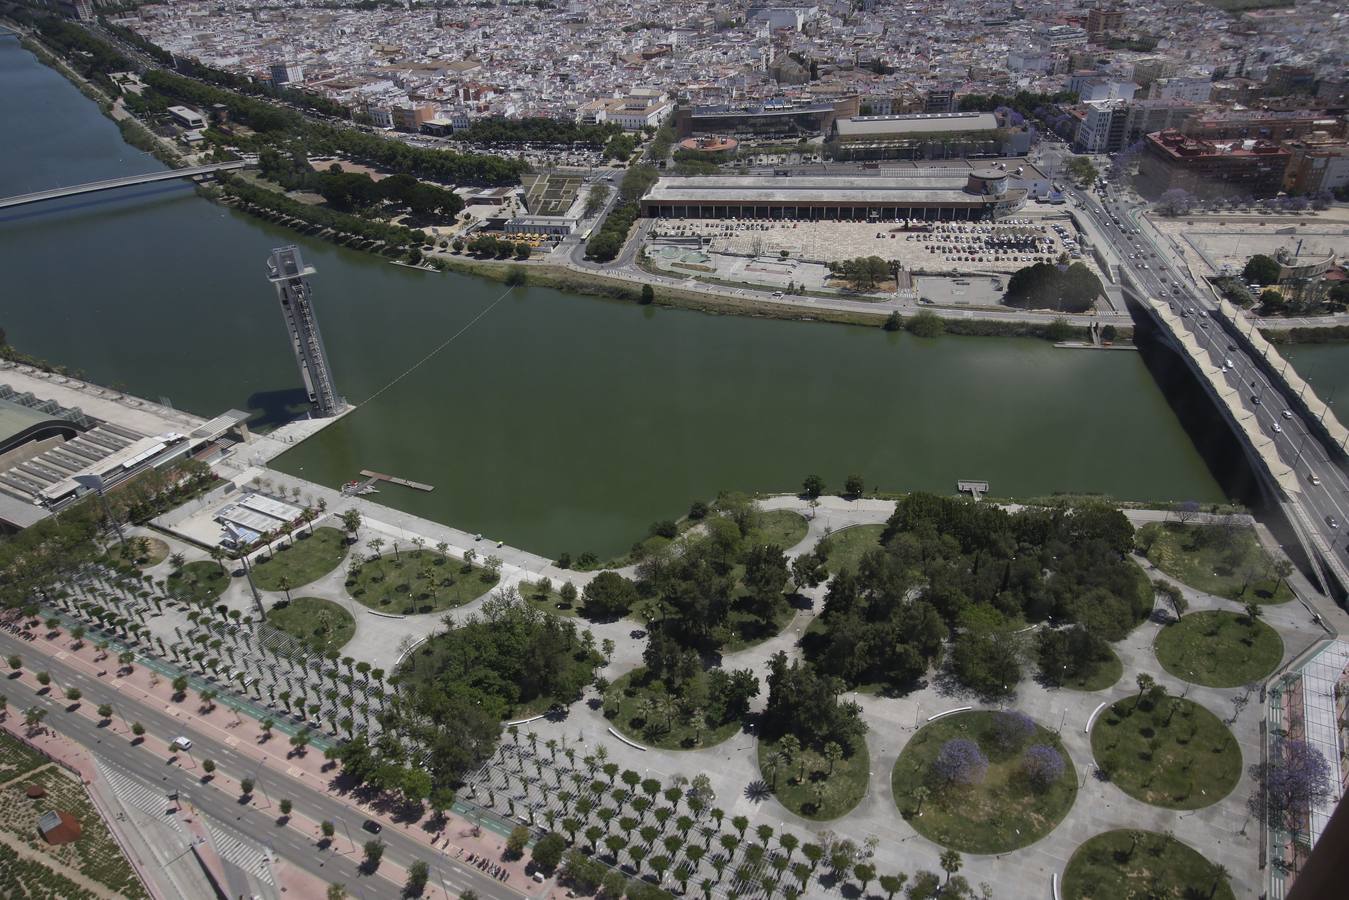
(380, 476)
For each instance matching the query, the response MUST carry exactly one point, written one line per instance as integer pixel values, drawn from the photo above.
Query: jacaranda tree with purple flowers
(1043, 766)
(1012, 728)
(1296, 778)
(960, 761)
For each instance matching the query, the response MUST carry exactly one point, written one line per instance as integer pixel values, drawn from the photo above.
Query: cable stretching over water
(443, 344)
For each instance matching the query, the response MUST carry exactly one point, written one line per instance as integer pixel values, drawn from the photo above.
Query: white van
(181, 743)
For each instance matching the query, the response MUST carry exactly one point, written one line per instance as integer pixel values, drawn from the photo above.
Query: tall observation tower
(287, 272)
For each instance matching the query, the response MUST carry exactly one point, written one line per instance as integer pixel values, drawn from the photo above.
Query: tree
(853, 486)
(926, 324)
(138, 729)
(960, 762)
(246, 786)
(105, 711)
(374, 852)
(865, 873)
(812, 487)
(892, 884)
(74, 695)
(208, 766)
(1145, 683)
(547, 852)
(648, 295)
(1296, 778)
(1082, 169)
(180, 686)
(1175, 202)
(950, 863)
(893, 322)
(1261, 269)
(515, 843)
(1012, 728)
(609, 596)
(1043, 766)
(418, 873)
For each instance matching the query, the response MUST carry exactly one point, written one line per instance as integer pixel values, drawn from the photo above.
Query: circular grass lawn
(1002, 812)
(1125, 864)
(1166, 751)
(847, 546)
(201, 581)
(1100, 675)
(306, 558)
(810, 787)
(780, 527)
(657, 727)
(418, 581)
(321, 624)
(1219, 649)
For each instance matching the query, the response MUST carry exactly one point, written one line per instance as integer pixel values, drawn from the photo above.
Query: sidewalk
(259, 755)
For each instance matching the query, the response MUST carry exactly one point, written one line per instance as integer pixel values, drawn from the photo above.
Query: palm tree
(790, 748)
(284, 583)
(833, 752)
(1220, 876)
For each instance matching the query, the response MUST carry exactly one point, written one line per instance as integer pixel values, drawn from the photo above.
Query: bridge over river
(1295, 443)
(114, 183)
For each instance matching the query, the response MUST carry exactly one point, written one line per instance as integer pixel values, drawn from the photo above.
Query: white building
(286, 74)
(793, 17)
(1190, 88)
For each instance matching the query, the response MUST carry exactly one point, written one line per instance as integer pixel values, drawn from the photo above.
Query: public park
(889, 684)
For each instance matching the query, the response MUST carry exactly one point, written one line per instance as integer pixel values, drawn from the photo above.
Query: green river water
(557, 422)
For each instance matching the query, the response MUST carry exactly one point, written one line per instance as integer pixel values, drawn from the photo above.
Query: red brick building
(1211, 169)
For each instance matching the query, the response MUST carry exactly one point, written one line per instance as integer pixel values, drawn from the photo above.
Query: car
(1311, 476)
(1287, 414)
(1229, 364)
(1255, 398)
(372, 826)
(1278, 429)
(181, 743)
(1332, 522)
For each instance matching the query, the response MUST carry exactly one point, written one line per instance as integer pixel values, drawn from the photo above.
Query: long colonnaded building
(977, 194)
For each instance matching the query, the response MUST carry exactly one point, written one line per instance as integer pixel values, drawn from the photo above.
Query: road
(1157, 269)
(339, 864)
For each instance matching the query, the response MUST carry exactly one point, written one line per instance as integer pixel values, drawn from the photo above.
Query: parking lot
(999, 247)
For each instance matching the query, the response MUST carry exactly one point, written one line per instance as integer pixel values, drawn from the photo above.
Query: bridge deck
(113, 183)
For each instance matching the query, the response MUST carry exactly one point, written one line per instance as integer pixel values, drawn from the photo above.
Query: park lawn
(1219, 649)
(322, 624)
(201, 581)
(838, 793)
(155, 551)
(1125, 864)
(549, 601)
(1004, 812)
(308, 557)
(1102, 674)
(672, 733)
(1179, 551)
(391, 583)
(96, 854)
(847, 546)
(780, 527)
(1173, 753)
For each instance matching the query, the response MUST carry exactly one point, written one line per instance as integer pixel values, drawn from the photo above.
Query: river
(556, 422)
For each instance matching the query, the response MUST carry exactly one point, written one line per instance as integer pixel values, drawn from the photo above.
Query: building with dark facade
(1211, 169)
(773, 119)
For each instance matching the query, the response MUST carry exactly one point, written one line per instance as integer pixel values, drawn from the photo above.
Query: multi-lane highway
(1151, 265)
(152, 766)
